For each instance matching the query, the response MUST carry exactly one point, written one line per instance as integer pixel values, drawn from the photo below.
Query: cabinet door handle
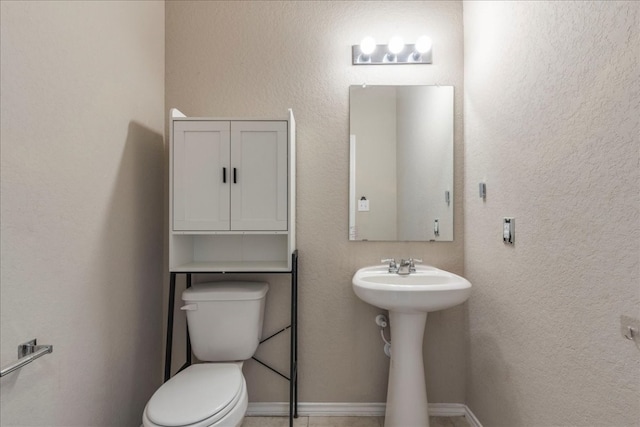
(235, 176)
(224, 175)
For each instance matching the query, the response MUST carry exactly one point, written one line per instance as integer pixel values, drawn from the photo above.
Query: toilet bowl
(203, 395)
(225, 327)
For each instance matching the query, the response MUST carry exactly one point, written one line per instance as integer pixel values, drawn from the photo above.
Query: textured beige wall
(256, 59)
(552, 125)
(81, 178)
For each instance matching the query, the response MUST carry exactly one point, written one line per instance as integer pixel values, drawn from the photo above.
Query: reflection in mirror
(401, 167)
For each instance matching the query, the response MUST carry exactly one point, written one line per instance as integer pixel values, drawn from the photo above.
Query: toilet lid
(195, 394)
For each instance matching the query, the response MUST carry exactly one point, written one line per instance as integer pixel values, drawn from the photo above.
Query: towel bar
(27, 353)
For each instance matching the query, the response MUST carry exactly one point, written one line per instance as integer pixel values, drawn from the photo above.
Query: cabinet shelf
(222, 233)
(228, 251)
(233, 267)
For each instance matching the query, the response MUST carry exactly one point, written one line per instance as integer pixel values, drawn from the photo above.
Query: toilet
(225, 327)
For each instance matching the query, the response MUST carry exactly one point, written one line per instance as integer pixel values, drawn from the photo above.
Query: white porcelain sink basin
(408, 298)
(427, 289)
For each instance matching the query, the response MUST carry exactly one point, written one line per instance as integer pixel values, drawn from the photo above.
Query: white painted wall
(256, 59)
(81, 181)
(552, 116)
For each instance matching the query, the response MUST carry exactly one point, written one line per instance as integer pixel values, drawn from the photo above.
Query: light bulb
(367, 45)
(423, 44)
(396, 44)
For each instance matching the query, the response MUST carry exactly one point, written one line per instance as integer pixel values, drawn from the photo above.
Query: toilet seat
(199, 396)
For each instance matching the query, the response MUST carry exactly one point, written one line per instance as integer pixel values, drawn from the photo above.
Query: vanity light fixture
(396, 52)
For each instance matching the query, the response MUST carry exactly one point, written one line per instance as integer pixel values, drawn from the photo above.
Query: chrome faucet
(406, 266)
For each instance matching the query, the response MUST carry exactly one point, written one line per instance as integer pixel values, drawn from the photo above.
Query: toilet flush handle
(189, 307)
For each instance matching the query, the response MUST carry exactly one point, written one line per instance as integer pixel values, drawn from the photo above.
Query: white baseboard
(312, 409)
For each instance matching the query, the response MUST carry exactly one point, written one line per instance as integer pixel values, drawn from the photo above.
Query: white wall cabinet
(232, 194)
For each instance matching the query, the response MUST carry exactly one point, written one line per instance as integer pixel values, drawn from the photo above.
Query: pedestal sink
(408, 298)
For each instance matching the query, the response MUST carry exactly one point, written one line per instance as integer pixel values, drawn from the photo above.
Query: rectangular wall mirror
(401, 163)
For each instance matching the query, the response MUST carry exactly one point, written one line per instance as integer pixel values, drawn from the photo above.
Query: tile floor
(344, 422)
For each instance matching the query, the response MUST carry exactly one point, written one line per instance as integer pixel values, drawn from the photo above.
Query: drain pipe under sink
(382, 322)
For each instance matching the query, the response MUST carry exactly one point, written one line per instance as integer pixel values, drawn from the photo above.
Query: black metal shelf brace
(293, 351)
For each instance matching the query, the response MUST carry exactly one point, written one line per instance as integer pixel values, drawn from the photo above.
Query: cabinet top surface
(175, 114)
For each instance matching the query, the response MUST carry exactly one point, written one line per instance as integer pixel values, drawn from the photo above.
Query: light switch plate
(508, 230)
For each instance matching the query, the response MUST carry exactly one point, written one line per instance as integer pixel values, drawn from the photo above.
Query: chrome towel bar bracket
(27, 353)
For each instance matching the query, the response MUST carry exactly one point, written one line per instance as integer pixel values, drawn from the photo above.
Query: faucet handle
(412, 262)
(392, 264)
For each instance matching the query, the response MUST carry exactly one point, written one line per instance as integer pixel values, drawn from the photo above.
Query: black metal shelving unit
(293, 361)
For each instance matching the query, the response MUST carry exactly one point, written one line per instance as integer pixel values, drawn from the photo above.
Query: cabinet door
(200, 188)
(259, 168)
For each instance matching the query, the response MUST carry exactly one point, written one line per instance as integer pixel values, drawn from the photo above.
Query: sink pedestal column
(407, 392)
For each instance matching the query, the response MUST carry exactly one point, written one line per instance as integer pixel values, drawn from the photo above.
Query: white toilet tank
(225, 319)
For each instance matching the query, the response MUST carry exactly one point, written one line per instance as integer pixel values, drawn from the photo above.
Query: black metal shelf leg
(295, 331)
(293, 368)
(167, 355)
(188, 363)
